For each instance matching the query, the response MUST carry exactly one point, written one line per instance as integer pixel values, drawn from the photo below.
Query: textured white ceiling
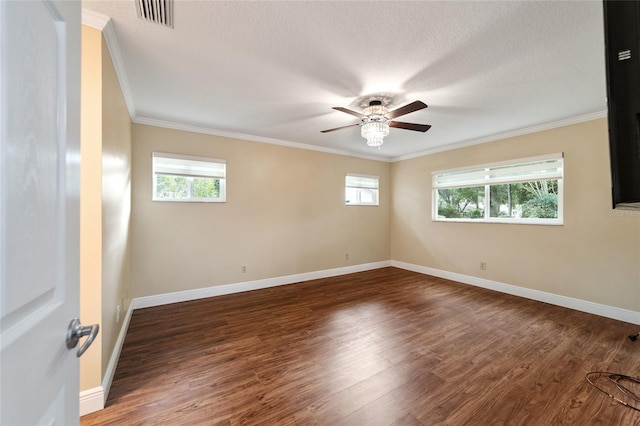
(273, 70)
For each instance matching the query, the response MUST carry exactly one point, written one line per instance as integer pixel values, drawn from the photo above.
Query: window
(361, 190)
(187, 178)
(524, 191)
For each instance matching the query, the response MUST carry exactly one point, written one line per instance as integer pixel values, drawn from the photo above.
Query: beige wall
(91, 202)
(116, 207)
(284, 215)
(594, 256)
(104, 205)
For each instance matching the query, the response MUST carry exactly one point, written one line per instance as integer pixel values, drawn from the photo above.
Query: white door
(39, 212)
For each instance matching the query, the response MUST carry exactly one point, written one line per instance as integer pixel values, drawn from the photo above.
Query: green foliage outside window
(538, 199)
(543, 206)
(172, 187)
(458, 203)
(184, 187)
(206, 187)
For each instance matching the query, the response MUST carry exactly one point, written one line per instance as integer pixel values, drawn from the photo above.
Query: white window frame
(191, 167)
(531, 169)
(362, 183)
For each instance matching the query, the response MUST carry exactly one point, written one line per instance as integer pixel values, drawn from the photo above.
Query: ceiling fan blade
(410, 126)
(348, 111)
(413, 106)
(338, 128)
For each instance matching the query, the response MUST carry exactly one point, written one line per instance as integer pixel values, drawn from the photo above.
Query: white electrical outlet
(483, 266)
(118, 314)
(346, 256)
(243, 269)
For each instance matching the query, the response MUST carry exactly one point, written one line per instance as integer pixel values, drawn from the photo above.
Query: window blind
(524, 170)
(361, 181)
(182, 165)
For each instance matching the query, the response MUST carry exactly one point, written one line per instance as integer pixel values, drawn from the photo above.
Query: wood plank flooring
(383, 347)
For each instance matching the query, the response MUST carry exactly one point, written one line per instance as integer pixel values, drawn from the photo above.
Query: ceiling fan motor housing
(375, 113)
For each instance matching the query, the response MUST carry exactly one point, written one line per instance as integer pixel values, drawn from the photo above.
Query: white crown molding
(220, 290)
(94, 20)
(541, 296)
(498, 136)
(118, 64)
(242, 136)
(104, 24)
(519, 132)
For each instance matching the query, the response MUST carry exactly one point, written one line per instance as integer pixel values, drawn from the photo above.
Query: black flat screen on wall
(622, 49)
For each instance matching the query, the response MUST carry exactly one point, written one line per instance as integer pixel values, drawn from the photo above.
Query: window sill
(555, 222)
(165, 200)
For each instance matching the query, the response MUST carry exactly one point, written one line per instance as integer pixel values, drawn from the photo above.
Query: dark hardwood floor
(383, 347)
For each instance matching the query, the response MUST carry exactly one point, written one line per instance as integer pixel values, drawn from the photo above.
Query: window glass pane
(357, 196)
(361, 190)
(520, 191)
(206, 187)
(175, 187)
(525, 200)
(458, 203)
(366, 196)
(188, 178)
(351, 196)
(506, 200)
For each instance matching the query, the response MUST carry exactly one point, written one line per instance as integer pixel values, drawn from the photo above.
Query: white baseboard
(620, 314)
(115, 355)
(219, 290)
(97, 397)
(91, 400)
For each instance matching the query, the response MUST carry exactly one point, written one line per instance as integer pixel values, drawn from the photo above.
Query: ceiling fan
(376, 119)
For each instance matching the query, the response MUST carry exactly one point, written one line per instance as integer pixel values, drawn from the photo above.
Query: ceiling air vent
(157, 11)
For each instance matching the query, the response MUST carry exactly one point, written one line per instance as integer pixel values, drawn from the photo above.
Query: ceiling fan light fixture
(374, 132)
(376, 119)
(375, 108)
